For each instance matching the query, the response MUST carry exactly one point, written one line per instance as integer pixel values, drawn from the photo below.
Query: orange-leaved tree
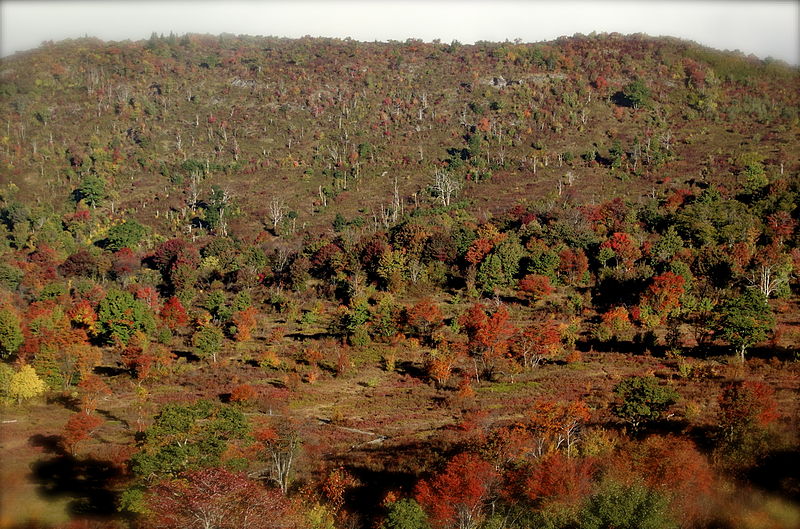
(425, 318)
(556, 425)
(662, 298)
(278, 442)
(244, 321)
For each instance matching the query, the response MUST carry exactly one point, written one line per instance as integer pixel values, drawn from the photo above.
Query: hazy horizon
(764, 29)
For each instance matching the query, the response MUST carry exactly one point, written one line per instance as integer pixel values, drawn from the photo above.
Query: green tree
(667, 246)
(125, 235)
(185, 437)
(119, 316)
(636, 94)
(501, 266)
(91, 191)
(216, 303)
(10, 277)
(490, 274)
(208, 341)
(542, 260)
(626, 507)
(25, 384)
(10, 333)
(406, 514)
(510, 252)
(218, 210)
(643, 400)
(745, 320)
(392, 267)
(755, 176)
(712, 219)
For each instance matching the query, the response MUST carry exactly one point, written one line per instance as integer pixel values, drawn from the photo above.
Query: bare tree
(277, 208)
(768, 278)
(445, 186)
(280, 443)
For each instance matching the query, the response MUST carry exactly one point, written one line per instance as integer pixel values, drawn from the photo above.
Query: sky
(767, 28)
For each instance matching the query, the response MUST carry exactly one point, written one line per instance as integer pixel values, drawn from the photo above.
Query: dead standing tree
(445, 187)
(277, 208)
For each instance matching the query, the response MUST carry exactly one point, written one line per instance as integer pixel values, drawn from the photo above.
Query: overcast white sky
(762, 28)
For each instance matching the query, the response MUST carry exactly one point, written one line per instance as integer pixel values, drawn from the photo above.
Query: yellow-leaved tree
(25, 384)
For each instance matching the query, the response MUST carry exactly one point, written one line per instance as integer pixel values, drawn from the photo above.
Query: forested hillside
(317, 283)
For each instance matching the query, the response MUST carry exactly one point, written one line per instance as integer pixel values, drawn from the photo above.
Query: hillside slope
(321, 283)
(310, 119)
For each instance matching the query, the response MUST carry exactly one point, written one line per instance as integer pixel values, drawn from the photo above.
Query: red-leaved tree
(573, 265)
(92, 389)
(456, 497)
(425, 317)
(662, 298)
(745, 406)
(216, 498)
(79, 427)
(537, 341)
(173, 314)
(558, 478)
(626, 250)
(535, 287)
(489, 336)
(675, 467)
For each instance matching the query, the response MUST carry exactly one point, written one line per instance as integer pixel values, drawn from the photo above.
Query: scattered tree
(539, 340)
(79, 427)
(457, 496)
(445, 186)
(216, 498)
(643, 400)
(25, 384)
(745, 320)
(279, 443)
(208, 342)
(489, 337)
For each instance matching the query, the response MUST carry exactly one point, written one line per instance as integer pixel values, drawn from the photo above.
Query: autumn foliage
(425, 317)
(535, 286)
(456, 497)
(215, 497)
(376, 328)
(78, 428)
(745, 405)
(489, 336)
(173, 314)
(537, 341)
(244, 321)
(557, 478)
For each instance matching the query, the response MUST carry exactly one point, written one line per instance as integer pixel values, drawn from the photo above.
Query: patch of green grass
(370, 355)
(578, 366)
